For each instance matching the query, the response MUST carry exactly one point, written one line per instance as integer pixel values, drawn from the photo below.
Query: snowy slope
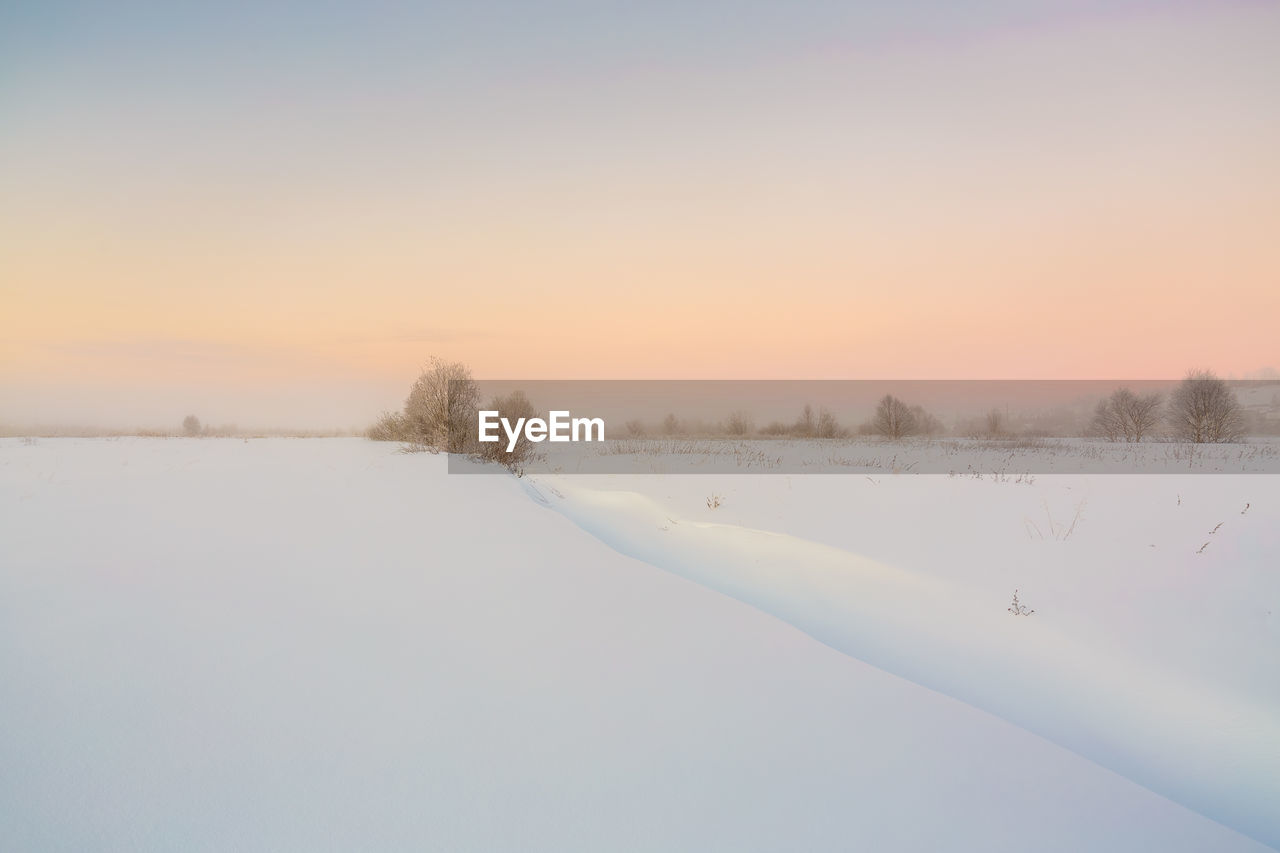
(1212, 746)
(321, 644)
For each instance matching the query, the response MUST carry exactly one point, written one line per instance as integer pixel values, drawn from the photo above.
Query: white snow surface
(317, 644)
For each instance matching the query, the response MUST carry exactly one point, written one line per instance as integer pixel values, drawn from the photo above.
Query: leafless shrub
(1204, 410)
(670, 424)
(828, 426)
(739, 423)
(635, 428)
(440, 411)
(994, 423)
(1126, 415)
(392, 426)
(926, 423)
(807, 424)
(1142, 415)
(893, 418)
(1106, 421)
(513, 407)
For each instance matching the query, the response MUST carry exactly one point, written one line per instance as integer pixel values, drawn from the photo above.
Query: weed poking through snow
(1018, 609)
(1056, 531)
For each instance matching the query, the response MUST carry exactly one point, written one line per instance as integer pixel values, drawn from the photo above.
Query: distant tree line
(193, 428)
(440, 414)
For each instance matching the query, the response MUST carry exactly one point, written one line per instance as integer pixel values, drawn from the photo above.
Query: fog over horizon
(352, 406)
(288, 406)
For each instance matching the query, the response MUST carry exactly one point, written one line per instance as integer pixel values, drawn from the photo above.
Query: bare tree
(1141, 415)
(893, 418)
(926, 423)
(1126, 415)
(440, 411)
(739, 423)
(828, 426)
(1204, 409)
(995, 422)
(671, 424)
(191, 425)
(1106, 421)
(806, 424)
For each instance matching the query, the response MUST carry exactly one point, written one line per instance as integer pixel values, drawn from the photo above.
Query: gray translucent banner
(976, 428)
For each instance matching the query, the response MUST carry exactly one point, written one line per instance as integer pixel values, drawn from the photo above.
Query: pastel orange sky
(277, 217)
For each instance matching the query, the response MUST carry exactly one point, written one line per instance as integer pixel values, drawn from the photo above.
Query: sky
(275, 213)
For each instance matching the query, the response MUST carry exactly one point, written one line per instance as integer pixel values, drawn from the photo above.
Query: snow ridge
(1216, 754)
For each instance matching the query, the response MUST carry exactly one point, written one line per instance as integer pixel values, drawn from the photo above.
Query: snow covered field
(955, 457)
(325, 644)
